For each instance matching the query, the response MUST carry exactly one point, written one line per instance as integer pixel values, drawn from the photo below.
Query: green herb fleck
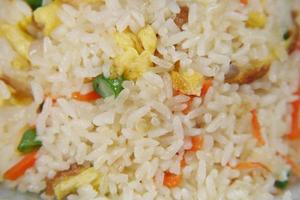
(34, 4)
(29, 142)
(286, 35)
(107, 86)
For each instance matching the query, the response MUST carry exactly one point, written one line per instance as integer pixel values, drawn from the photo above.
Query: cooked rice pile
(204, 110)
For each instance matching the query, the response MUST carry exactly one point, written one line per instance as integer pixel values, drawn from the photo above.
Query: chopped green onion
(286, 35)
(108, 87)
(281, 184)
(29, 142)
(34, 4)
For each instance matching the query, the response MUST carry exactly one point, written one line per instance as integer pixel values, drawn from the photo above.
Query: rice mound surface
(134, 139)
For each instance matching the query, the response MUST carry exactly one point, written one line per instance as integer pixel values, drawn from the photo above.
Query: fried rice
(150, 99)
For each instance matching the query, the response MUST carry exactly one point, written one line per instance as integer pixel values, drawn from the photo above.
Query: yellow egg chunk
(16, 98)
(128, 40)
(148, 38)
(124, 61)
(139, 66)
(137, 51)
(26, 20)
(19, 100)
(70, 185)
(278, 52)
(17, 38)
(3, 99)
(47, 18)
(20, 62)
(256, 20)
(187, 82)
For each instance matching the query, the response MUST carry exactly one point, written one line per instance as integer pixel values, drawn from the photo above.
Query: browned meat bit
(245, 76)
(21, 94)
(232, 73)
(182, 17)
(157, 54)
(294, 34)
(74, 170)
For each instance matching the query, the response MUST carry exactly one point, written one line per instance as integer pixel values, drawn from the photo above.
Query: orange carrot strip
(171, 180)
(295, 129)
(251, 165)
(245, 2)
(183, 163)
(197, 143)
(297, 46)
(295, 167)
(256, 128)
(205, 87)
(91, 96)
(189, 105)
(20, 168)
(295, 126)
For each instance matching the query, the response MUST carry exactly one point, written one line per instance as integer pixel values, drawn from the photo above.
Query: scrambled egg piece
(128, 40)
(187, 82)
(148, 38)
(15, 97)
(15, 32)
(2, 99)
(256, 19)
(19, 99)
(279, 51)
(17, 38)
(135, 59)
(70, 185)
(26, 20)
(136, 69)
(20, 62)
(47, 18)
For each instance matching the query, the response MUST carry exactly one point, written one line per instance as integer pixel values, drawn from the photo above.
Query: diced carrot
(176, 92)
(295, 167)
(295, 126)
(171, 180)
(91, 96)
(251, 165)
(245, 2)
(295, 129)
(205, 87)
(189, 105)
(20, 168)
(197, 143)
(52, 97)
(256, 128)
(183, 163)
(297, 46)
